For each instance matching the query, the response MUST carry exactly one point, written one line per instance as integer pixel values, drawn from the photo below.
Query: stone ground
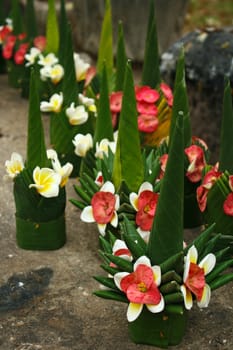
(46, 299)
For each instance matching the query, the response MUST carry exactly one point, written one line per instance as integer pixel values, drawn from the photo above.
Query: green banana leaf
(36, 150)
(166, 238)
(16, 16)
(63, 23)
(103, 128)
(105, 52)
(128, 163)
(69, 83)
(151, 73)
(121, 59)
(30, 20)
(226, 149)
(52, 31)
(180, 104)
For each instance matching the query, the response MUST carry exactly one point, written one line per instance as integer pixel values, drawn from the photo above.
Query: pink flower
(167, 93)
(4, 32)
(163, 162)
(90, 73)
(40, 42)
(228, 205)
(198, 141)
(194, 278)
(145, 203)
(120, 249)
(197, 162)
(20, 53)
(207, 183)
(141, 288)
(147, 108)
(116, 101)
(147, 123)
(103, 208)
(146, 94)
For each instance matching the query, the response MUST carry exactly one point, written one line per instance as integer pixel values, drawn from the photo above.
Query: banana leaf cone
(166, 241)
(40, 221)
(192, 215)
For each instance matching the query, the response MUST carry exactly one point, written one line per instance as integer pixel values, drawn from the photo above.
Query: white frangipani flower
(81, 67)
(46, 182)
(48, 60)
(31, 56)
(103, 146)
(14, 166)
(82, 144)
(77, 115)
(64, 170)
(54, 73)
(88, 102)
(54, 104)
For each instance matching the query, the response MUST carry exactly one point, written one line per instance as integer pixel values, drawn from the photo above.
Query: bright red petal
(103, 205)
(196, 280)
(228, 205)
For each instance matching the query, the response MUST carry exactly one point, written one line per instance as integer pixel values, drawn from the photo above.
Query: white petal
(117, 204)
(190, 258)
(205, 297)
(146, 186)
(143, 260)
(144, 234)
(87, 214)
(134, 311)
(102, 228)
(114, 220)
(118, 244)
(133, 198)
(188, 299)
(156, 308)
(157, 274)
(108, 187)
(118, 277)
(208, 263)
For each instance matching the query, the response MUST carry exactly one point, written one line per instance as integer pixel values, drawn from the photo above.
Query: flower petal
(145, 186)
(133, 198)
(156, 308)
(118, 277)
(134, 311)
(101, 228)
(143, 260)
(157, 274)
(188, 299)
(108, 187)
(208, 263)
(114, 220)
(87, 214)
(204, 302)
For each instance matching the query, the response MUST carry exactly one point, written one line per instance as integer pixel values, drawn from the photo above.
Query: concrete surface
(59, 311)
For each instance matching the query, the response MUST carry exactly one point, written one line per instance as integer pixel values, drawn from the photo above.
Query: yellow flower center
(142, 287)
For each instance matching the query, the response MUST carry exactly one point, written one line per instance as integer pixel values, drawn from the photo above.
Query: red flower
(167, 93)
(40, 42)
(116, 101)
(21, 36)
(147, 203)
(4, 32)
(20, 53)
(90, 73)
(228, 205)
(195, 281)
(163, 162)
(147, 123)
(147, 108)
(207, 183)
(197, 161)
(146, 94)
(103, 205)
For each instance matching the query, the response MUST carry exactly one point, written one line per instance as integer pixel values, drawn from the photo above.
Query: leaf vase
(162, 330)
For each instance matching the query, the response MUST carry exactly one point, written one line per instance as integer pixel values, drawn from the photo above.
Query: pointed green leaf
(36, 150)
(180, 104)
(226, 149)
(166, 238)
(151, 72)
(128, 164)
(69, 84)
(221, 281)
(105, 52)
(52, 32)
(121, 59)
(63, 28)
(104, 127)
(112, 295)
(16, 16)
(30, 20)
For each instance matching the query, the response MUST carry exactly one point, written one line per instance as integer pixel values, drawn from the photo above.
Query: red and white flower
(120, 249)
(103, 208)
(194, 278)
(141, 288)
(196, 157)
(145, 203)
(228, 203)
